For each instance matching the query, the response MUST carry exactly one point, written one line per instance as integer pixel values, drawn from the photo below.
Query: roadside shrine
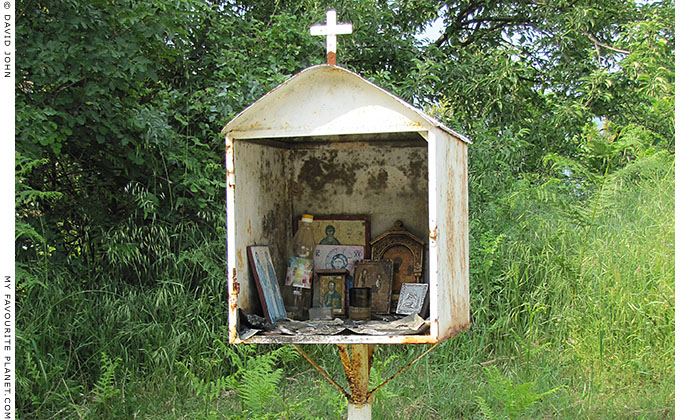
(387, 178)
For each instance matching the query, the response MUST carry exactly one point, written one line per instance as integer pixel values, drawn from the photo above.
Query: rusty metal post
(357, 365)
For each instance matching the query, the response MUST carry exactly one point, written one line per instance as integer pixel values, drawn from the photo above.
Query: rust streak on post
(344, 357)
(330, 58)
(352, 365)
(347, 367)
(359, 357)
(451, 331)
(322, 372)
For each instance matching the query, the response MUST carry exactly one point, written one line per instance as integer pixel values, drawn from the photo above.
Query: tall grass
(572, 317)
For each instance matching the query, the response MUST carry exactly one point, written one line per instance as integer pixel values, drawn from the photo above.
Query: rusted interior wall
(262, 213)
(385, 181)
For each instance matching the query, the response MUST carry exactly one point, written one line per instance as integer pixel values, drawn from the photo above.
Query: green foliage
(330, 399)
(207, 390)
(120, 236)
(105, 388)
(254, 378)
(385, 399)
(515, 399)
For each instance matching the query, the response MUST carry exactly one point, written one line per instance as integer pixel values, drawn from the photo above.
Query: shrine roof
(327, 100)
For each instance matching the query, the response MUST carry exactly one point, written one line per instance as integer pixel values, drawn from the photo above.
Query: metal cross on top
(331, 29)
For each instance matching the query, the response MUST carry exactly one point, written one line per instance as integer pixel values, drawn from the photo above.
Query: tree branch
(475, 25)
(452, 28)
(598, 44)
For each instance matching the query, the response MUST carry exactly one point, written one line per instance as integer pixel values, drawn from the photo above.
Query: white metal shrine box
(329, 142)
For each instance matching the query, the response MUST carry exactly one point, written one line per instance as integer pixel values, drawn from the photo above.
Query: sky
(433, 31)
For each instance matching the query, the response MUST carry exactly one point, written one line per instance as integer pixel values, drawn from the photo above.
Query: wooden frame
(377, 275)
(406, 251)
(325, 296)
(266, 282)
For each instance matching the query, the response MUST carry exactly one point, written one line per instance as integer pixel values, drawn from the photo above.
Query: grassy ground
(573, 312)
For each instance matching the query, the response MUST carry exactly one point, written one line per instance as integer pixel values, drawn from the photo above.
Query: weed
(510, 400)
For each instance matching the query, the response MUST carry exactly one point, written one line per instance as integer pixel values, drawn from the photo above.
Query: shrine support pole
(357, 365)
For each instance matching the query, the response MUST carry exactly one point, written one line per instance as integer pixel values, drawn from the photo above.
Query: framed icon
(266, 282)
(342, 230)
(406, 251)
(329, 290)
(378, 276)
(337, 257)
(412, 298)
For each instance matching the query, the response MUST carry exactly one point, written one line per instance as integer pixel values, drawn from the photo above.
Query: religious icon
(330, 238)
(330, 291)
(361, 279)
(266, 283)
(406, 251)
(377, 285)
(342, 230)
(409, 302)
(378, 276)
(337, 257)
(332, 299)
(412, 297)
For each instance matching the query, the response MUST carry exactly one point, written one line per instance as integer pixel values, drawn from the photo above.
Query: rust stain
(240, 262)
(344, 357)
(235, 288)
(357, 377)
(411, 339)
(415, 124)
(433, 234)
(454, 295)
(359, 391)
(232, 303)
(330, 58)
(249, 227)
(350, 368)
